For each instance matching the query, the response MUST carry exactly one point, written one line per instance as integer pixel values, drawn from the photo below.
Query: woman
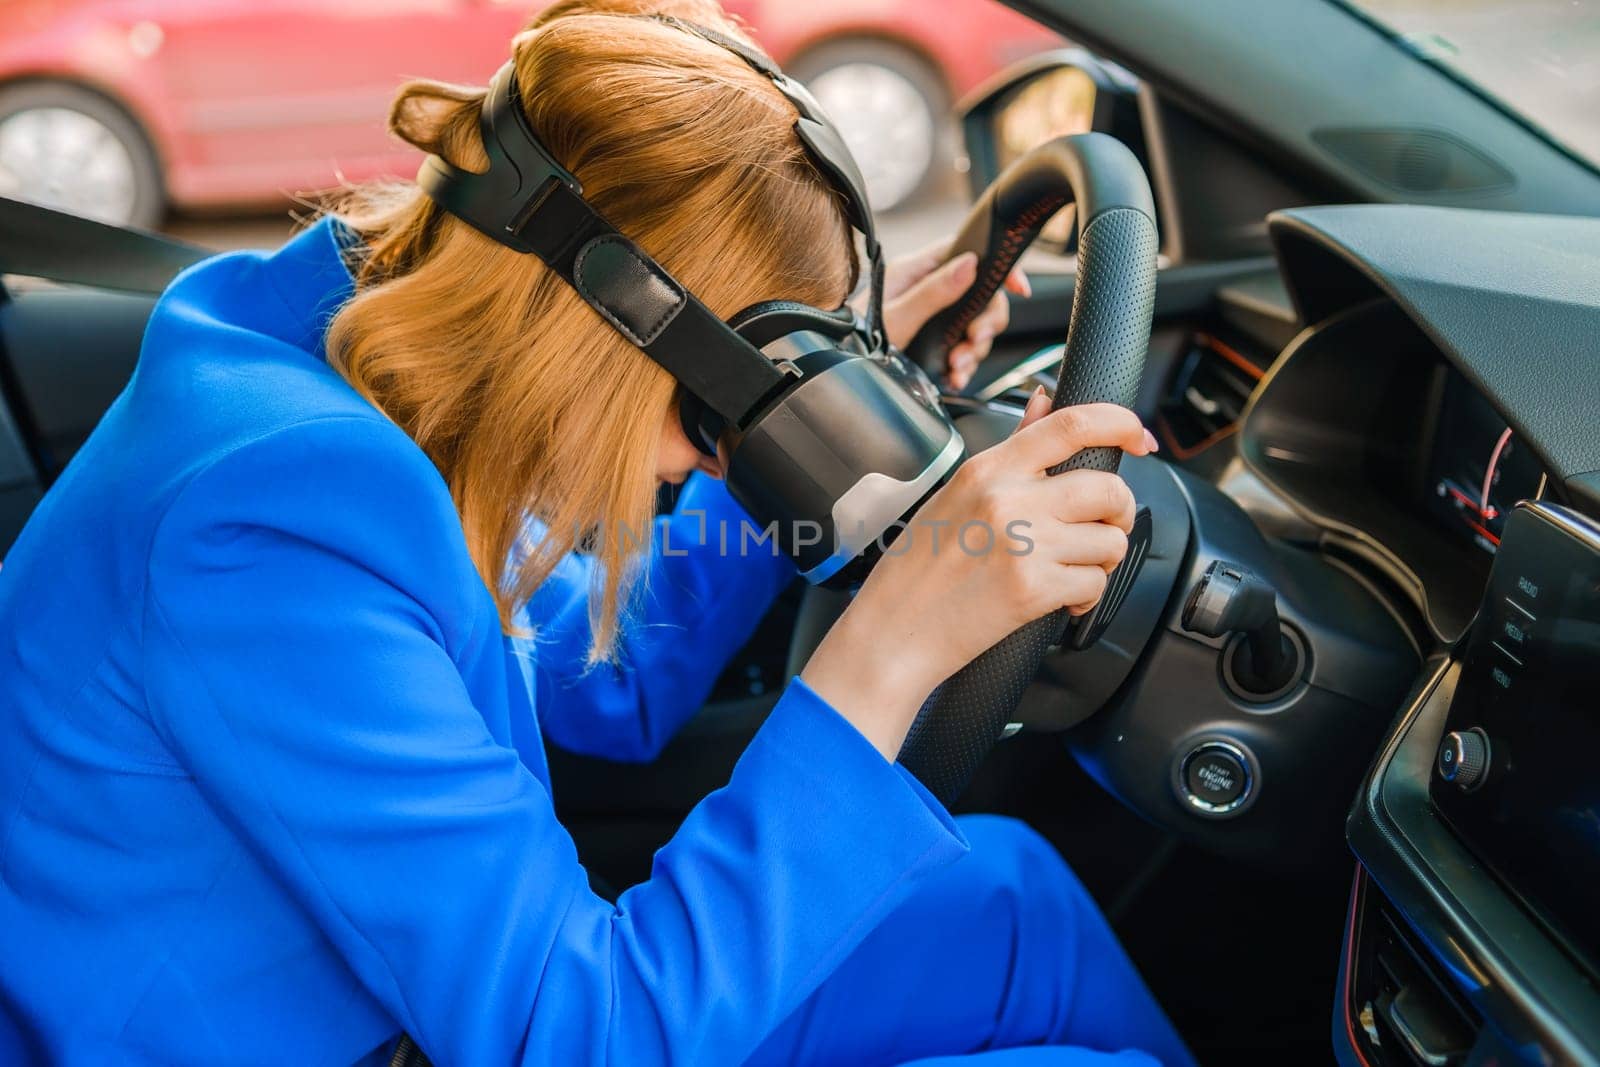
(277, 656)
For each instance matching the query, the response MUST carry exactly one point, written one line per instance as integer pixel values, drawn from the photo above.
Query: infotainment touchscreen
(1518, 775)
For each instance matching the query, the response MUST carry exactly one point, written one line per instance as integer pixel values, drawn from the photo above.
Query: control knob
(1464, 758)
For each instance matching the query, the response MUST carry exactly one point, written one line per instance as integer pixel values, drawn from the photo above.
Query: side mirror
(1042, 97)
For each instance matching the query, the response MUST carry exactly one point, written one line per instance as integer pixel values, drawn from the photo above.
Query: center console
(1518, 772)
(1474, 929)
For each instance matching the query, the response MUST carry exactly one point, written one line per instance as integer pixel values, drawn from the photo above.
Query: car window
(215, 118)
(1540, 59)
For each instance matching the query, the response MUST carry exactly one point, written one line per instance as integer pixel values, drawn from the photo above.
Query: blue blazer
(272, 781)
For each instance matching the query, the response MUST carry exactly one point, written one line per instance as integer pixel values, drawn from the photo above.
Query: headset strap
(526, 200)
(649, 307)
(529, 202)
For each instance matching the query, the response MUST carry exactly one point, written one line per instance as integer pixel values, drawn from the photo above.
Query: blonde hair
(524, 398)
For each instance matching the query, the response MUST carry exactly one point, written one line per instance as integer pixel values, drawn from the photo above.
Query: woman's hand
(1000, 545)
(917, 287)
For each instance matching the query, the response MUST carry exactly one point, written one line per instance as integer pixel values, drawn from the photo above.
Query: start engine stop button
(1215, 778)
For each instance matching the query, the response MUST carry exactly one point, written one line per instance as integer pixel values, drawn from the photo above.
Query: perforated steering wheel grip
(1109, 333)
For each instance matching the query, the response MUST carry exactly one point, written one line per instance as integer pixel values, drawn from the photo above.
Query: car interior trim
(1504, 962)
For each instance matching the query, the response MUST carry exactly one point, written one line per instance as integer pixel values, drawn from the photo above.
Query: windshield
(1538, 58)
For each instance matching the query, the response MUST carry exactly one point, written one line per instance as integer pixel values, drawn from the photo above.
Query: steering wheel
(1109, 332)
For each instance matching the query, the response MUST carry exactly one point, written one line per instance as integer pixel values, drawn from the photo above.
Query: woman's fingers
(1038, 407)
(1063, 434)
(981, 332)
(991, 322)
(964, 360)
(919, 264)
(1091, 496)
(1017, 282)
(1088, 544)
(1082, 588)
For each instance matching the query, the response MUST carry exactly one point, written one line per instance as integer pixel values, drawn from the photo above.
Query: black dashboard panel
(1511, 300)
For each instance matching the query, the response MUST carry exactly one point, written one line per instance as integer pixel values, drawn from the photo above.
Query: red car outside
(119, 109)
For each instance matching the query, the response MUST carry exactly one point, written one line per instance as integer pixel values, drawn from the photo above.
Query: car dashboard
(1434, 424)
(1367, 430)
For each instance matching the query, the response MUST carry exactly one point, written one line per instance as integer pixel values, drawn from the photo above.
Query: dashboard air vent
(1208, 394)
(1411, 1014)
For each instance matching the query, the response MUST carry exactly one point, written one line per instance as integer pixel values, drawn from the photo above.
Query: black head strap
(529, 202)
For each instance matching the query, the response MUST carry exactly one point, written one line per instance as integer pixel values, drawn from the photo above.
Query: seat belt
(44, 243)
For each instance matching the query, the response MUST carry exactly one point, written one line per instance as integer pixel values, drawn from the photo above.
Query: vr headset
(831, 436)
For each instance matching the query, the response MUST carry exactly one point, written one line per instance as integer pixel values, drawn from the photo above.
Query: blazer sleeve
(710, 580)
(300, 665)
